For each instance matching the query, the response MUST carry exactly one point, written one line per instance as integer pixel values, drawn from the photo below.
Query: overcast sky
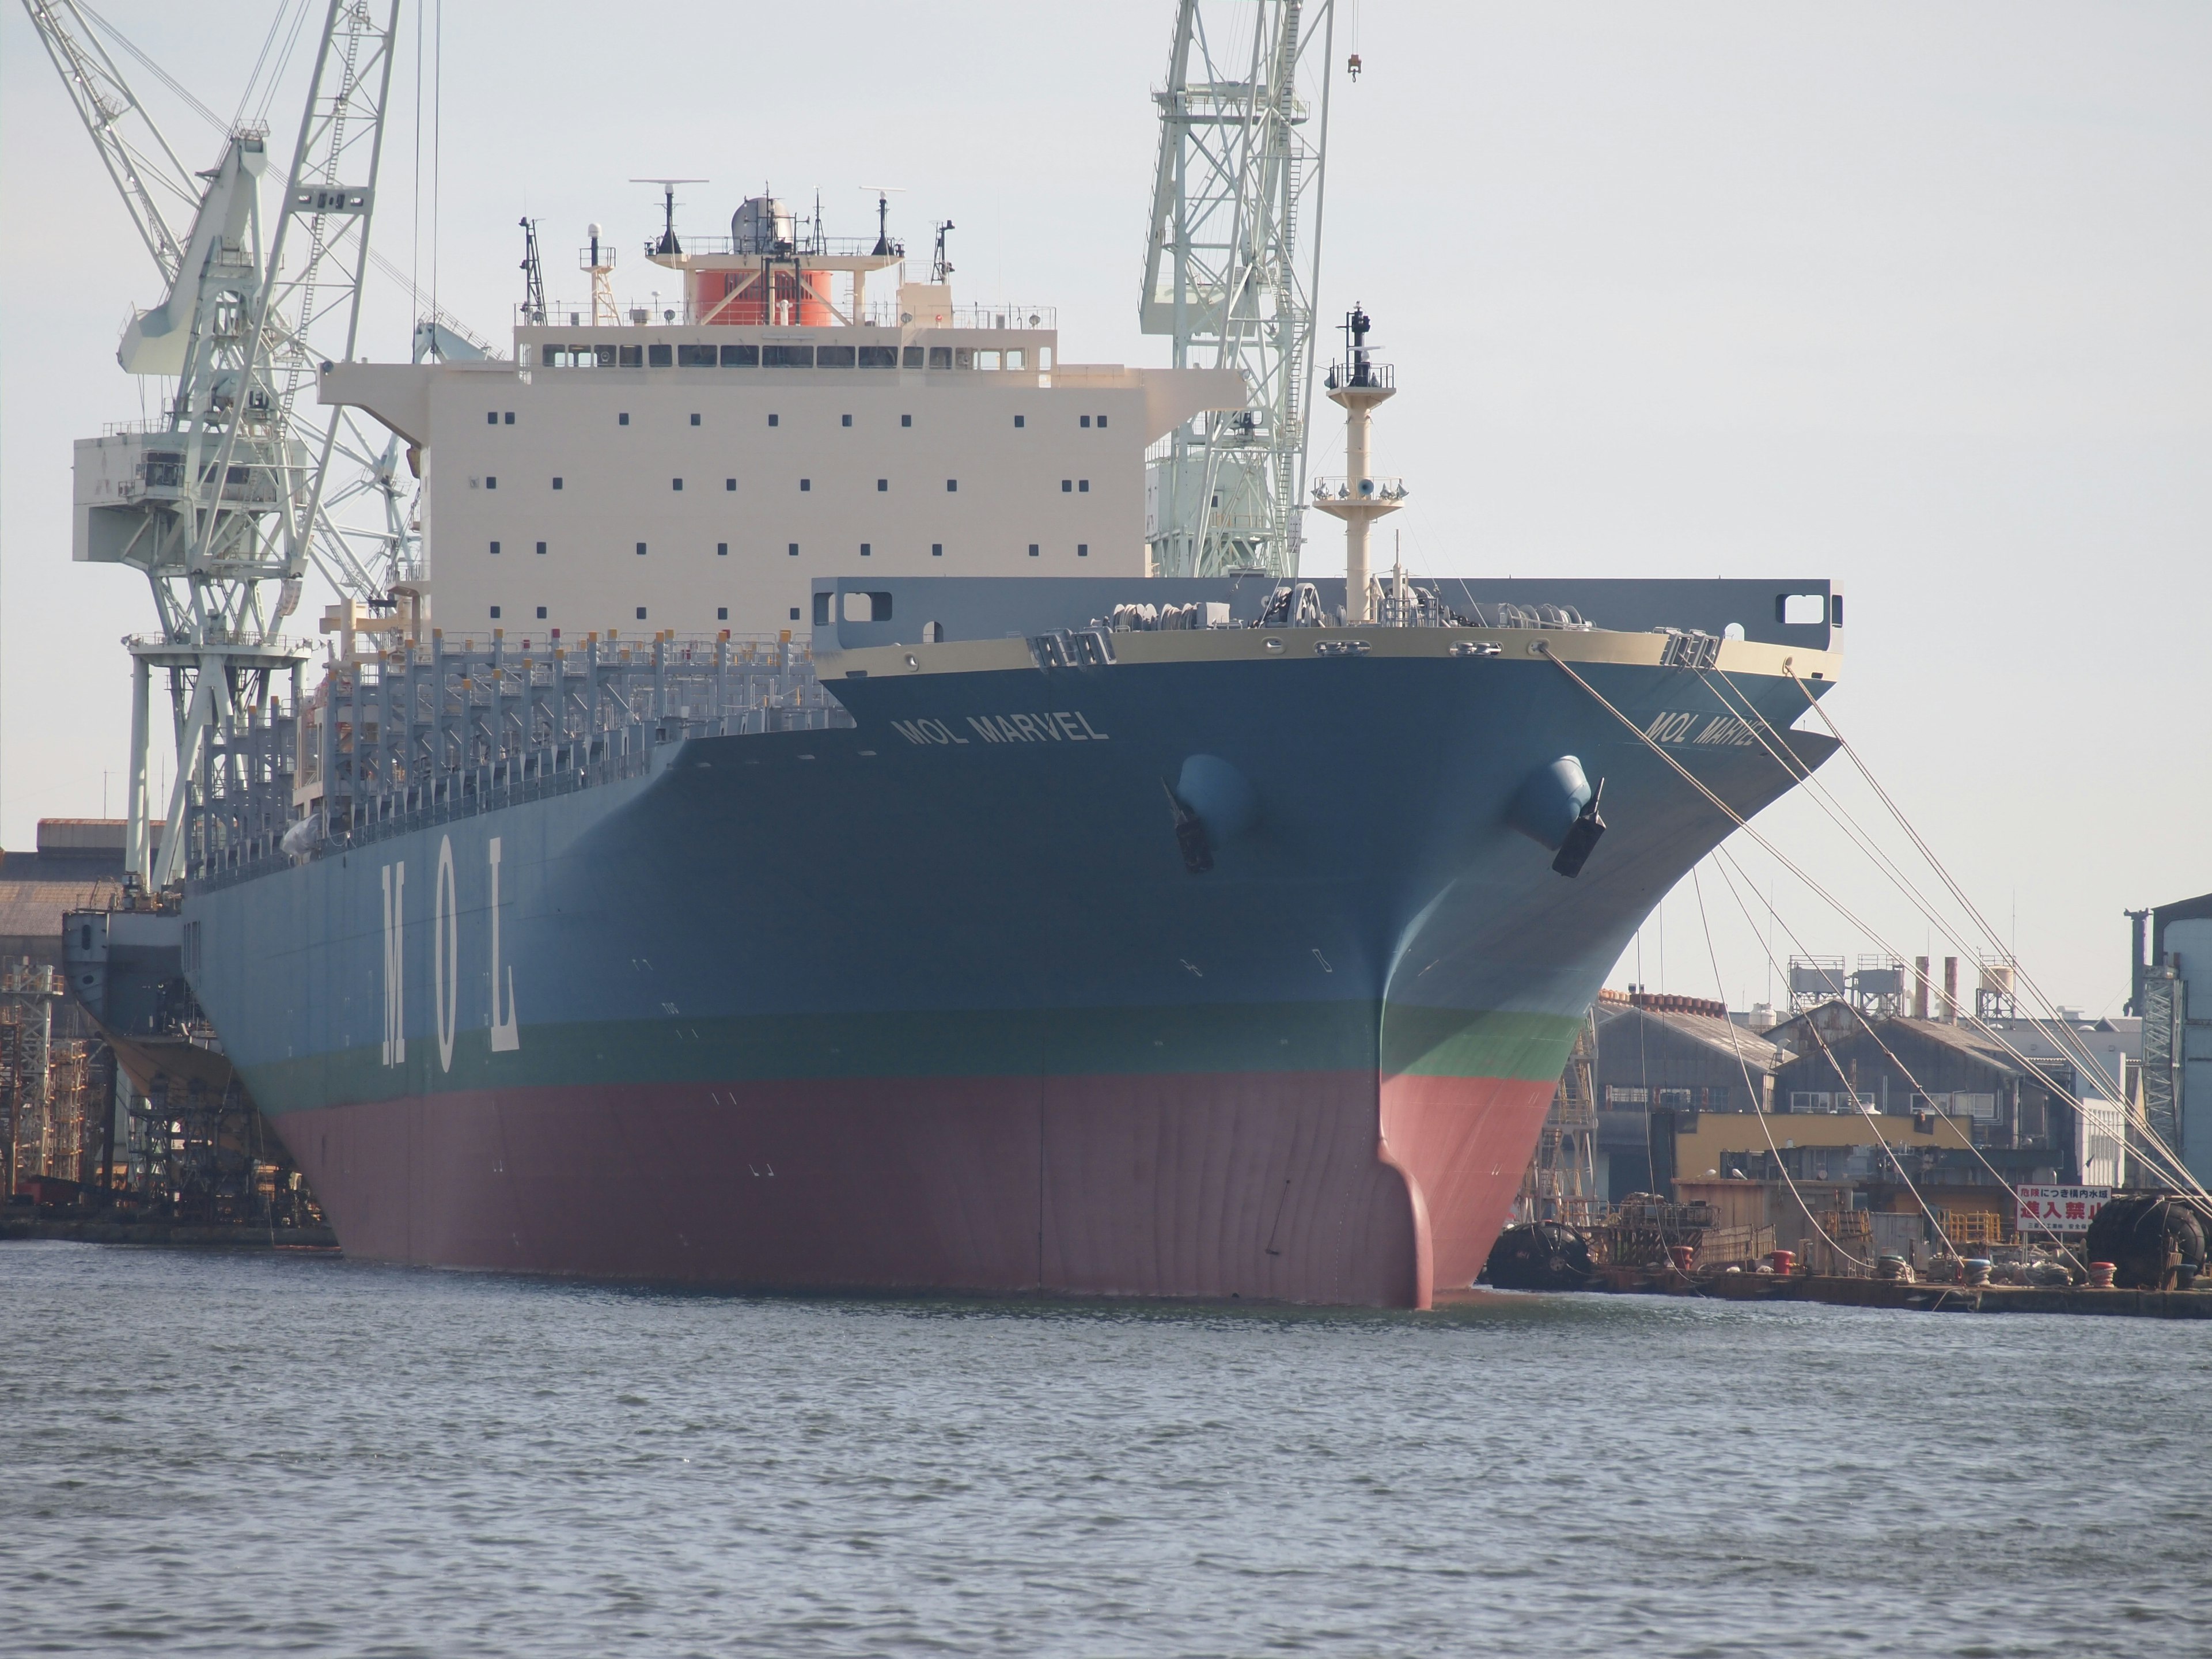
(1914, 296)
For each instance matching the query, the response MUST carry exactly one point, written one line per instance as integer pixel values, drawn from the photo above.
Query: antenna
(668, 243)
(886, 248)
(533, 275)
(940, 267)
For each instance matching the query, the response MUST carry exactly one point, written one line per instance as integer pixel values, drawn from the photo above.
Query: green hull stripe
(1058, 1043)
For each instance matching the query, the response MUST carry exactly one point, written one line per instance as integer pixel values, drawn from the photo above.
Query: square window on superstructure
(541, 613)
(695, 356)
(676, 484)
(630, 356)
(510, 418)
(952, 485)
(834, 356)
(556, 484)
(491, 418)
(490, 482)
(914, 357)
(721, 549)
(1083, 486)
(772, 420)
(936, 549)
(1086, 420)
(640, 613)
(1021, 420)
(805, 484)
(494, 547)
(740, 356)
(641, 549)
(866, 551)
(906, 420)
(794, 613)
(495, 613)
(844, 420)
(940, 356)
(660, 356)
(729, 484)
(541, 547)
(623, 419)
(880, 356)
(1033, 550)
(883, 485)
(1101, 422)
(788, 357)
(1082, 550)
(1067, 486)
(602, 357)
(695, 420)
(794, 549)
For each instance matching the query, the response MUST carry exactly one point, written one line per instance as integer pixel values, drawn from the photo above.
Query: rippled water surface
(243, 1455)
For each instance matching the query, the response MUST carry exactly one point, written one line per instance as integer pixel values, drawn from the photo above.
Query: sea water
(249, 1454)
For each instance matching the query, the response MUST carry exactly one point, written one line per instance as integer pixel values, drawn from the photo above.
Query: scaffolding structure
(1560, 1183)
(51, 1091)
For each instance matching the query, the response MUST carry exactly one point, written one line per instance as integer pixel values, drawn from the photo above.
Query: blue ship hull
(936, 1001)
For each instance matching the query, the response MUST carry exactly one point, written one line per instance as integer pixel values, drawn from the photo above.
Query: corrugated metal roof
(33, 908)
(1712, 1030)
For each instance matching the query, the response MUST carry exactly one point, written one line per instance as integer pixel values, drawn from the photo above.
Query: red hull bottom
(1293, 1187)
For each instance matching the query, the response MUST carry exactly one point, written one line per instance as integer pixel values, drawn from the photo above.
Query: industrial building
(113, 1095)
(1661, 1060)
(2171, 991)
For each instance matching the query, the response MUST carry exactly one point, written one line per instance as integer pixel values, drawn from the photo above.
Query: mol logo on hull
(505, 1030)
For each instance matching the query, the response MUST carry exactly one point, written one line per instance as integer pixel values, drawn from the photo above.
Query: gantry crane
(1232, 259)
(232, 488)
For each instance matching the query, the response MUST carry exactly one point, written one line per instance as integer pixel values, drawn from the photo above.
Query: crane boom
(131, 147)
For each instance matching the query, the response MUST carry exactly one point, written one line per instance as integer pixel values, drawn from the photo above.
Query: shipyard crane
(1231, 263)
(232, 489)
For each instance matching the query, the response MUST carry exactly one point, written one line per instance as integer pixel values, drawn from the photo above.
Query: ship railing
(1336, 489)
(1382, 376)
(352, 816)
(1003, 319)
(810, 247)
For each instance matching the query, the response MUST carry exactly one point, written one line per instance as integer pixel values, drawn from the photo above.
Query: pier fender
(1557, 807)
(1222, 796)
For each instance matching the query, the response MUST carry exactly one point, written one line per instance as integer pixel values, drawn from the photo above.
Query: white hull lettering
(395, 964)
(445, 955)
(505, 1033)
(1051, 726)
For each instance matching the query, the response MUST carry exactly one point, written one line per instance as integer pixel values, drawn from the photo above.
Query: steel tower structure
(1232, 262)
(230, 489)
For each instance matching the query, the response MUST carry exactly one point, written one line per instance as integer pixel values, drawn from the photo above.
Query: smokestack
(1920, 987)
(1950, 990)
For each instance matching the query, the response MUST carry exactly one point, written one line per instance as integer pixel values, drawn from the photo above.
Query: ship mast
(1231, 263)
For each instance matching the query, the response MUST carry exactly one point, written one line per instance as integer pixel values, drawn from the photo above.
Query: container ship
(803, 845)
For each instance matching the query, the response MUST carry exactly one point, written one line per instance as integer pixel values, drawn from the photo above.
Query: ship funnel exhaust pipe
(1557, 807)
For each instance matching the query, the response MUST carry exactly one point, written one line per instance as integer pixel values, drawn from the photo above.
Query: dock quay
(1837, 1291)
(111, 1230)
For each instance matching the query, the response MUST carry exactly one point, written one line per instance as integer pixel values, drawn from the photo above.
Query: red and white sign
(2059, 1209)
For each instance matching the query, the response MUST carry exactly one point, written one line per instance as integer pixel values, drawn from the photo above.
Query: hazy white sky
(1911, 295)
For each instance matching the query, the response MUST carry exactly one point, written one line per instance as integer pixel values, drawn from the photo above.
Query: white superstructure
(696, 469)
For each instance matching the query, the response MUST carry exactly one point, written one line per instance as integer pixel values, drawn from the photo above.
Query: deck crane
(1231, 263)
(232, 487)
